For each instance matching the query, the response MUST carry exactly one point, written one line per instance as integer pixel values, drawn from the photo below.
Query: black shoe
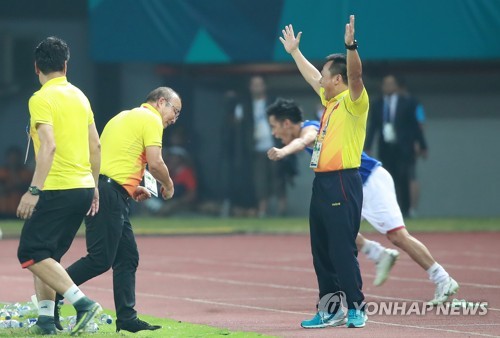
(44, 327)
(38, 330)
(57, 313)
(135, 325)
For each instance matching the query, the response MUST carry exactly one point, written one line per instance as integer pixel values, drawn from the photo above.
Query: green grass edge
(216, 226)
(170, 328)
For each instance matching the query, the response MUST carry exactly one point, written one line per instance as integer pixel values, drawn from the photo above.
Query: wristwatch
(354, 45)
(34, 190)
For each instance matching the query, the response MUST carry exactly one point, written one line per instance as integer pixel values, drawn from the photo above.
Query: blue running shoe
(320, 320)
(356, 318)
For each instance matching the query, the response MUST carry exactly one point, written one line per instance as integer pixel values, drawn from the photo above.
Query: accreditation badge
(315, 154)
(150, 183)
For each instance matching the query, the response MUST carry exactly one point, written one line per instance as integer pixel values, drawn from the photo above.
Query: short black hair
(338, 66)
(51, 54)
(160, 92)
(283, 109)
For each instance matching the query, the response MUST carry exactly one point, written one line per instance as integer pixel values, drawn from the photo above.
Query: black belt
(114, 184)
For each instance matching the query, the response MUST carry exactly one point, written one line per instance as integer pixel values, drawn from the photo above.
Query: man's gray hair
(160, 92)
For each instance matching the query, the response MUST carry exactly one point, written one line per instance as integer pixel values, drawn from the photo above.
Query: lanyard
(322, 131)
(29, 142)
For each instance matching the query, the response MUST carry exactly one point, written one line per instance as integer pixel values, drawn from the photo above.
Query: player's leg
(45, 303)
(382, 215)
(383, 258)
(445, 285)
(45, 238)
(412, 246)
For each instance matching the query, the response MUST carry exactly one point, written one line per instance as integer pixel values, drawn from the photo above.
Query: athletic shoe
(135, 325)
(444, 290)
(44, 327)
(356, 318)
(57, 315)
(387, 259)
(86, 310)
(320, 321)
(38, 330)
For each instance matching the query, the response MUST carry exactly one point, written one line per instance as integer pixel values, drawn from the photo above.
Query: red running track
(266, 283)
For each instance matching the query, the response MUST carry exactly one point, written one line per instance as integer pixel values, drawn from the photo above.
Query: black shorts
(54, 224)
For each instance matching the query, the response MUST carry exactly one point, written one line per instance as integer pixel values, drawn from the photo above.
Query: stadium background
(121, 49)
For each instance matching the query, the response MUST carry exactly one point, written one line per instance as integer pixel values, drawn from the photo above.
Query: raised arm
(307, 137)
(308, 71)
(354, 67)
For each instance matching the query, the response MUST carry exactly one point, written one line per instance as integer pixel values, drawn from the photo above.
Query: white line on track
(269, 285)
(310, 270)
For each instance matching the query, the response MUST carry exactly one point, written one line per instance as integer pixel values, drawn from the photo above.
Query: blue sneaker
(320, 321)
(356, 318)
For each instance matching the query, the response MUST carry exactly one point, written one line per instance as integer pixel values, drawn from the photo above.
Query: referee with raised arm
(337, 196)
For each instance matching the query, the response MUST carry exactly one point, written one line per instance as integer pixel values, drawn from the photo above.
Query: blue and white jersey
(368, 164)
(308, 123)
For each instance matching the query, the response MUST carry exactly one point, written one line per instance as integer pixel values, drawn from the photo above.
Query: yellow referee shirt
(342, 131)
(64, 107)
(124, 141)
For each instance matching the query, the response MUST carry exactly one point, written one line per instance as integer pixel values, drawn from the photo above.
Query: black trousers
(334, 220)
(111, 243)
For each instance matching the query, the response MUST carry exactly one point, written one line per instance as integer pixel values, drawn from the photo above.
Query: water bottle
(15, 324)
(4, 314)
(92, 327)
(27, 309)
(29, 322)
(68, 323)
(10, 324)
(105, 319)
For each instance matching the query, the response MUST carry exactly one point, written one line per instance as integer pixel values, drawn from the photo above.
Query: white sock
(46, 308)
(437, 273)
(73, 294)
(372, 250)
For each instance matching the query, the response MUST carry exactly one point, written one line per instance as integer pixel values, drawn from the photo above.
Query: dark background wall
(460, 95)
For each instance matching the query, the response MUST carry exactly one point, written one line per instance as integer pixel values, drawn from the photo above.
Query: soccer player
(64, 186)
(380, 206)
(130, 140)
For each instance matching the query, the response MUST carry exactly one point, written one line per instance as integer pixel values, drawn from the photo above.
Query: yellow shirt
(124, 141)
(342, 131)
(64, 107)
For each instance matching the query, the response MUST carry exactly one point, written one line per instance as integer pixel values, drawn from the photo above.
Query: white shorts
(380, 206)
